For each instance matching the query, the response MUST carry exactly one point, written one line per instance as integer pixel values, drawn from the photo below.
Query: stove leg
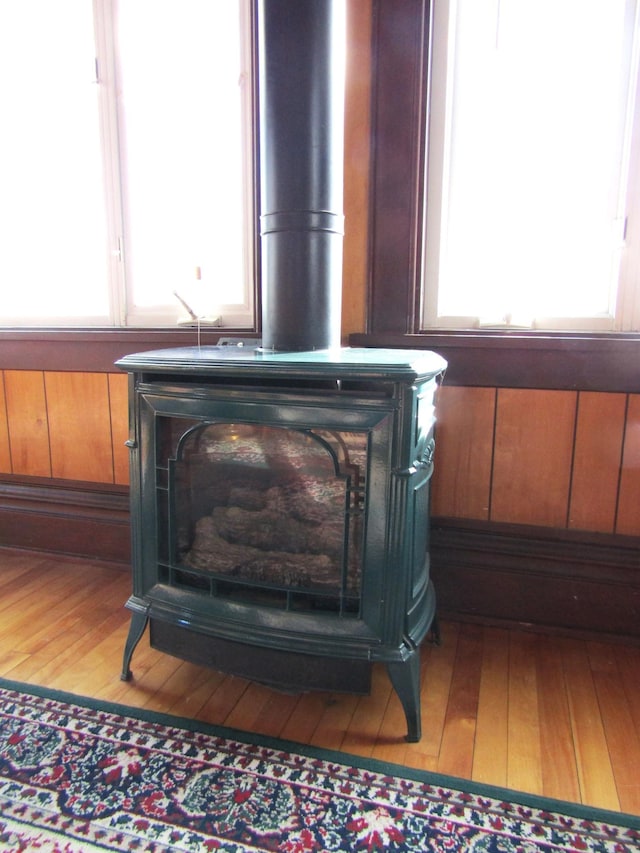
(139, 621)
(436, 637)
(405, 678)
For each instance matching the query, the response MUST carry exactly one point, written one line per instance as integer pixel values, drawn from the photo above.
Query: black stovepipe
(301, 52)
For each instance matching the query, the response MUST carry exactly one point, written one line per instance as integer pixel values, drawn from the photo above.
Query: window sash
(623, 308)
(119, 308)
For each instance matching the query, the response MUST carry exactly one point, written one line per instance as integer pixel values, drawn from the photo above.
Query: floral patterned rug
(77, 777)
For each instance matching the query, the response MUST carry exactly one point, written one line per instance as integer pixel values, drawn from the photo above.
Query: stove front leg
(405, 678)
(139, 619)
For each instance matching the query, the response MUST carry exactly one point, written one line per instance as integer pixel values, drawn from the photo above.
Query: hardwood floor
(556, 716)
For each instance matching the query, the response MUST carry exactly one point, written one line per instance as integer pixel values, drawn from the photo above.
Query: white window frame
(122, 313)
(627, 301)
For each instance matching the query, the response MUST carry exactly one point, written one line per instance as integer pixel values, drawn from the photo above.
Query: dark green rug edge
(575, 810)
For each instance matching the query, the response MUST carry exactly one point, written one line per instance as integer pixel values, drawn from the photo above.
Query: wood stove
(280, 511)
(280, 493)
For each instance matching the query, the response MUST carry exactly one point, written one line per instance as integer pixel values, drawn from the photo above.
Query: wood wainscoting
(557, 459)
(536, 507)
(536, 491)
(64, 467)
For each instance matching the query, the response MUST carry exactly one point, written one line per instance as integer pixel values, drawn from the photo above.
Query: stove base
(282, 670)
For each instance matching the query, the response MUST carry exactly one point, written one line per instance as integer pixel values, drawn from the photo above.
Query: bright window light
(126, 162)
(532, 170)
(184, 81)
(52, 218)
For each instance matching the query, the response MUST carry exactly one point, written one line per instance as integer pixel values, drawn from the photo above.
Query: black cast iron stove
(280, 494)
(280, 511)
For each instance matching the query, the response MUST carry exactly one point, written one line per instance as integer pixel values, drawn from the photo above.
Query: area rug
(78, 776)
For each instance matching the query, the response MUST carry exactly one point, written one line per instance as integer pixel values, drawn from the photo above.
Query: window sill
(94, 349)
(599, 361)
(596, 361)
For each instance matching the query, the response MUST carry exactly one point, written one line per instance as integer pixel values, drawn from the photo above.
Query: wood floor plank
(305, 717)
(524, 765)
(390, 744)
(19, 586)
(436, 677)
(362, 731)
(93, 659)
(628, 660)
(148, 667)
(153, 693)
(597, 781)
(9, 662)
(13, 566)
(559, 768)
(616, 671)
(53, 672)
(81, 626)
(491, 740)
(204, 684)
(334, 722)
(186, 689)
(33, 608)
(275, 713)
(222, 701)
(622, 740)
(57, 621)
(261, 709)
(458, 736)
(56, 639)
(247, 711)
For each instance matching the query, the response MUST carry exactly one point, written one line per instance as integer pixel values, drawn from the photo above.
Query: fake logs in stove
(280, 509)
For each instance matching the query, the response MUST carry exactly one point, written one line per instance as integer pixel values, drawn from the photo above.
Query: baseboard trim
(554, 579)
(66, 517)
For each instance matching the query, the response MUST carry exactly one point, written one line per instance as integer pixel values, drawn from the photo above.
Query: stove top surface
(341, 360)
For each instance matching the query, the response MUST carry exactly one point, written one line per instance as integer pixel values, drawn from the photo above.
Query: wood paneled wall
(536, 492)
(559, 459)
(64, 425)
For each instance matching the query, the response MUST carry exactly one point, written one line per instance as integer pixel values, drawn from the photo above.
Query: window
(531, 165)
(127, 177)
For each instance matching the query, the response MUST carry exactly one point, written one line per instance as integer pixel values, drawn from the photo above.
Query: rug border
(374, 765)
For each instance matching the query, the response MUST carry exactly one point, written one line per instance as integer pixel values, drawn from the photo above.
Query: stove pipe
(301, 96)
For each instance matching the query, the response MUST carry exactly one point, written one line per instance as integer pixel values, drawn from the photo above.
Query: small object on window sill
(191, 318)
(199, 321)
(507, 321)
(192, 314)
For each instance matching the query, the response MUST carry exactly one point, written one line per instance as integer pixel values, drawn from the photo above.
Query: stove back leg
(405, 678)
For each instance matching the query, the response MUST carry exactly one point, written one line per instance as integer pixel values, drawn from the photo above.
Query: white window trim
(228, 315)
(122, 314)
(627, 313)
(105, 66)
